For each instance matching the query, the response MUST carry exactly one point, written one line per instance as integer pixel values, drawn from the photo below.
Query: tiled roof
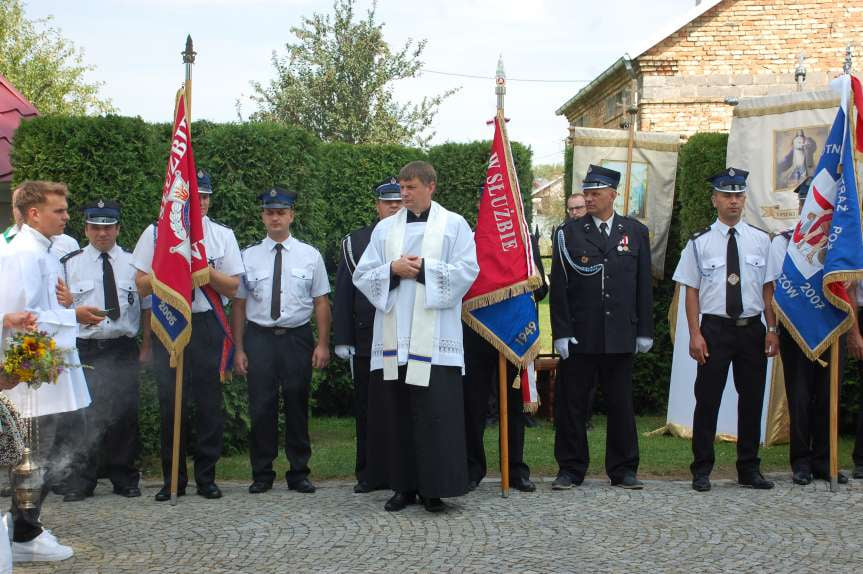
(13, 107)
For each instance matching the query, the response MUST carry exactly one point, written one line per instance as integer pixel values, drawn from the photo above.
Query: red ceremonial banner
(179, 258)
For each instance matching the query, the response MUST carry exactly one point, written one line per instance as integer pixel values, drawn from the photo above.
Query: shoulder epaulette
(699, 233)
(787, 234)
(252, 244)
(70, 255)
(765, 232)
(219, 224)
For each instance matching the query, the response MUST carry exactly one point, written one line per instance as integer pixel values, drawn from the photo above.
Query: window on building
(616, 103)
(580, 122)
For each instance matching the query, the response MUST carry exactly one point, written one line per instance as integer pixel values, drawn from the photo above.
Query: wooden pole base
(504, 425)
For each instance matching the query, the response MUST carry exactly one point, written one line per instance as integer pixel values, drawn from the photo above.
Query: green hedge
(124, 159)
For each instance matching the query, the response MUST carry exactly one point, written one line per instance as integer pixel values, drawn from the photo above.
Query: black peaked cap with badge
(598, 176)
(204, 183)
(278, 197)
(102, 212)
(730, 180)
(388, 190)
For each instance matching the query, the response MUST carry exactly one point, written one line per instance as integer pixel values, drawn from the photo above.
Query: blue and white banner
(825, 251)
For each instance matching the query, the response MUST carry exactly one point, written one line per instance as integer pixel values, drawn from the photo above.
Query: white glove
(345, 352)
(643, 344)
(562, 346)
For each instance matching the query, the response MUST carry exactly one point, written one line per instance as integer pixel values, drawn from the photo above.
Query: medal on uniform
(623, 246)
(584, 259)
(733, 279)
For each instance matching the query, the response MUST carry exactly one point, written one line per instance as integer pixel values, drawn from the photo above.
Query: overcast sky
(135, 47)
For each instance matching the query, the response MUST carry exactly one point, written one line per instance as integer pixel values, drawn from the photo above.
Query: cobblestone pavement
(665, 528)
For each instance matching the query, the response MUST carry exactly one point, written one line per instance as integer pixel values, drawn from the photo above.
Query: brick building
(720, 49)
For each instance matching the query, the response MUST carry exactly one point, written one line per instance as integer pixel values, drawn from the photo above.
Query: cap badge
(731, 172)
(200, 173)
(101, 204)
(393, 180)
(273, 193)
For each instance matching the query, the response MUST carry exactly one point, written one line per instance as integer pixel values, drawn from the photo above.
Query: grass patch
(664, 456)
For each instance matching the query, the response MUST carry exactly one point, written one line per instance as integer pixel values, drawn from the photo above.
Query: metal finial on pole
(189, 59)
(188, 53)
(800, 73)
(500, 83)
(846, 68)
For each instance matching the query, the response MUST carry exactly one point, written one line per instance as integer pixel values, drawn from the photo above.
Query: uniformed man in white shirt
(101, 274)
(724, 271)
(202, 357)
(284, 285)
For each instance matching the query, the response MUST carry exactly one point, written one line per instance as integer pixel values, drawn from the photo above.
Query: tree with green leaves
(44, 66)
(336, 81)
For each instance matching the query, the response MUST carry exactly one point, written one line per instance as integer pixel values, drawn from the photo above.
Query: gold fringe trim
(672, 312)
(624, 142)
(173, 346)
(494, 341)
(681, 431)
(200, 277)
(786, 108)
(502, 294)
(816, 353)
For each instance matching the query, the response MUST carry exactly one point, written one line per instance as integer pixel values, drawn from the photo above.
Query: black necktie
(603, 230)
(109, 286)
(276, 297)
(733, 292)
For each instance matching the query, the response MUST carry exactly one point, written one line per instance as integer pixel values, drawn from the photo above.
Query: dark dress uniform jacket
(602, 294)
(354, 316)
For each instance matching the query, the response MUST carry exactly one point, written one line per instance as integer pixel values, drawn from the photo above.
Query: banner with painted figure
(654, 168)
(179, 257)
(499, 305)
(778, 140)
(826, 248)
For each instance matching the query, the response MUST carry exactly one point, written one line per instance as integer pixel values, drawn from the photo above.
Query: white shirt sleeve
(320, 281)
(232, 262)
(142, 256)
(688, 272)
(776, 257)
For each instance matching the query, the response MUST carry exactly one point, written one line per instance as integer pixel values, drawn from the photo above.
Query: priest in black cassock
(417, 267)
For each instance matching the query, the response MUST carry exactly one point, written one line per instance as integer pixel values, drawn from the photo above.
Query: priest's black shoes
(756, 481)
(841, 479)
(802, 477)
(858, 471)
(210, 491)
(260, 486)
(128, 491)
(362, 487)
(165, 493)
(304, 486)
(629, 482)
(523, 484)
(701, 483)
(399, 500)
(434, 504)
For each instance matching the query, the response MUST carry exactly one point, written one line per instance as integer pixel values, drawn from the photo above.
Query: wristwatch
(772, 329)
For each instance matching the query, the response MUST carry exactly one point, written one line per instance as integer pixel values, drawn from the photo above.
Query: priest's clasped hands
(407, 266)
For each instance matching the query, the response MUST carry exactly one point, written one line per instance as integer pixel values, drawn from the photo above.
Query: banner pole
(178, 416)
(834, 416)
(630, 144)
(503, 429)
(188, 59)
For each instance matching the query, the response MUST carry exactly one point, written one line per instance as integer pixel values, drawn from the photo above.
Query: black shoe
(74, 496)
(529, 422)
(629, 482)
(471, 485)
(165, 493)
(434, 504)
(304, 486)
(210, 491)
(362, 487)
(841, 479)
(858, 471)
(260, 486)
(399, 500)
(128, 491)
(701, 483)
(756, 481)
(802, 477)
(563, 482)
(58, 489)
(523, 484)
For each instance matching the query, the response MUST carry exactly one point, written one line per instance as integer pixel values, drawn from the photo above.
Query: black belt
(103, 344)
(278, 331)
(728, 321)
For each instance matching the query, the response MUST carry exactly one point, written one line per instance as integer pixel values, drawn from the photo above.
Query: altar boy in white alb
(419, 264)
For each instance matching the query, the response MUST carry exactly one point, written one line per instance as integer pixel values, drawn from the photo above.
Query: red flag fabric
(179, 257)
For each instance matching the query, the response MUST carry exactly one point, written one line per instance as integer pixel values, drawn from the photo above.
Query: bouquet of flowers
(33, 357)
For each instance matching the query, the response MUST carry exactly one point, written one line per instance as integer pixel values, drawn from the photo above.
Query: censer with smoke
(28, 476)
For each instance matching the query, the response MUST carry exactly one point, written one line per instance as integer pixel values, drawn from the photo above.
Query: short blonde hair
(32, 193)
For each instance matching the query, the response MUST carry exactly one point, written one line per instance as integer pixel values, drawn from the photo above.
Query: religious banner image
(795, 154)
(637, 189)
(654, 169)
(778, 140)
